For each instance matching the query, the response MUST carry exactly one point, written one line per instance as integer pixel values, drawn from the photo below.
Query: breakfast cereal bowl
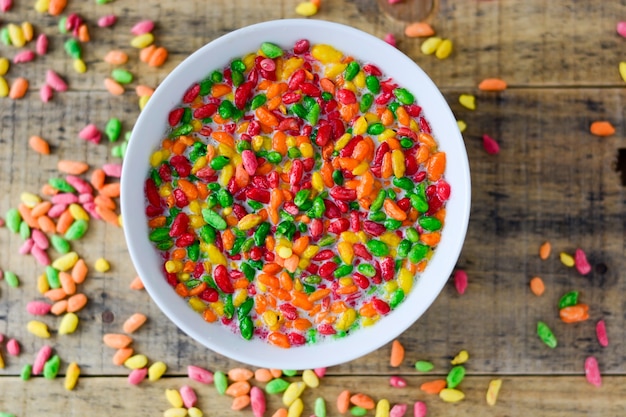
(295, 194)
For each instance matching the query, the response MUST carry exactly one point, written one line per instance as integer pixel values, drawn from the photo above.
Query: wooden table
(551, 181)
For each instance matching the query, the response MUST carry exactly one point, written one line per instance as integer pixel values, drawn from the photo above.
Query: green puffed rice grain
(320, 407)
(11, 279)
(61, 185)
(51, 368)
(271, 50)
(424, 366)
(5, 38)
(63, 25)
(73, 48)
(220, 381)
(24, 230)
(26, 372)
(77, 230)
(52, 275)
(13, 219)
(122, 76)
(358, 411)
(113, 128)
(455, 376)
(276, 385)
(60, 244)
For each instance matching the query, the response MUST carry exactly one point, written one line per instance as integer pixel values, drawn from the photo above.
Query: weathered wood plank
(553, 43)
(551, 181)
(519, 396)
(544, 44)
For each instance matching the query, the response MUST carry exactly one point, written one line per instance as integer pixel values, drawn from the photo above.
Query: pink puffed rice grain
(107, 21)
(85, 198)
(397, 382)
(45, 93)
(137, 375)
(82, 186)
(145, 26)
(91, 209)
(112, 170)
(24, 56)
(602, 336)
(200, 374)
(592, 371)
(621, 29)
(581, 263)
(73, 21)
(390, 39)
(56, 210)
(490, 145)
(460, 281)
(41, 46)
(398, 410)
(90, 133)
(64, 198)
(55, 81)
(13, 347)
(95, 139)
(257, 401)
(188, 395)
(40, 360)
(27, 246)
(38, 308)
(5, 5)
(420, 409)
(40, 239)
(40, 255)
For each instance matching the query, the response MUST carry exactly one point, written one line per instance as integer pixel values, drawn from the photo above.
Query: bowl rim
(257, 352)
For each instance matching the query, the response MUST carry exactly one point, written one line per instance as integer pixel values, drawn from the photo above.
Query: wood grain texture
(519, 396)
(410, 10)
(542, 44)
(552, 181)
(526, 43)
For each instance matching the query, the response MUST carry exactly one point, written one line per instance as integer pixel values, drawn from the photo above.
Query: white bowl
(149, 131)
